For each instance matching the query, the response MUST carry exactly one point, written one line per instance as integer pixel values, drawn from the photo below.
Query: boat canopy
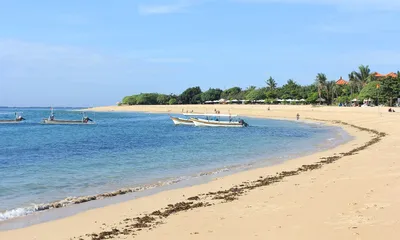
(209, 114)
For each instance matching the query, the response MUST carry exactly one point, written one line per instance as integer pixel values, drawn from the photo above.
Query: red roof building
(341, 81)
(391, 74)
(376, 74)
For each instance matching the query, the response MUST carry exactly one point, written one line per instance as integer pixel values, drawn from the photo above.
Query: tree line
(362, 84)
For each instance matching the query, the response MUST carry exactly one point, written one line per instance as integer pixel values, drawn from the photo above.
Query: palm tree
(271, 83)
(363, 76)
(331, 90)
(320, 80)
(352, 82)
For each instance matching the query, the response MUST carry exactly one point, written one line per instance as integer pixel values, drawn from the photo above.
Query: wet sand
(348, 192)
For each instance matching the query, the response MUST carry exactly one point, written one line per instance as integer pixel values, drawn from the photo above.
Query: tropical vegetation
(362, 85)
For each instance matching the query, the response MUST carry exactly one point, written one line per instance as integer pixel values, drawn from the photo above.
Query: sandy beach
(349, 192)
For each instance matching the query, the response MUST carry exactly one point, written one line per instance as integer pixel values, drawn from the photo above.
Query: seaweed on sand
(149, 221)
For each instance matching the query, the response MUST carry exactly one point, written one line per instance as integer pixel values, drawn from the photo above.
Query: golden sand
(355, 197)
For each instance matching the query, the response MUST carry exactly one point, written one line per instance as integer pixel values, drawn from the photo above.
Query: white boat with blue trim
(51, 120)
(17, 119)
(213, 120)
(182, 121)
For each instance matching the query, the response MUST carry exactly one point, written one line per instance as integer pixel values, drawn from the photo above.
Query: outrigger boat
(213, 120)
(51, 120)
(18, 119)
(182, 121)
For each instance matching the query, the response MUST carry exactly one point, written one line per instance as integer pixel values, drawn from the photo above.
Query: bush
(172, 101)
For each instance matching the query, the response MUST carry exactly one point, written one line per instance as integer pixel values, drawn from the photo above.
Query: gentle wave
(24, 211)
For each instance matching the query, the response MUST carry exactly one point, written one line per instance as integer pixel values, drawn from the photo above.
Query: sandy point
(349, 192)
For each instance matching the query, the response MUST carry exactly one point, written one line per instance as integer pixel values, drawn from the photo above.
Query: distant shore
(342, 193)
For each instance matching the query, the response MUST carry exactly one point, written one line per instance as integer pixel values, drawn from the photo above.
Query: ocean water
(46, 163)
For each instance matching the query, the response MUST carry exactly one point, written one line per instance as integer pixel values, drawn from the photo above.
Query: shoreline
(44, 211)
(308, 162)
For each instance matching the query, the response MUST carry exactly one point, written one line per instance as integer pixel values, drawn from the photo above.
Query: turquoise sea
(41, 164)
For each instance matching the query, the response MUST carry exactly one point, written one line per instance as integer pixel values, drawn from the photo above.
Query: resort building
(341, 81)
(378, 75)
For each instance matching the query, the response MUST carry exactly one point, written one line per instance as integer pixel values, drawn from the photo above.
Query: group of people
(187, 111)
(391, 110)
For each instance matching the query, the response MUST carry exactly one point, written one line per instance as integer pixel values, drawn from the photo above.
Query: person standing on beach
(298, 116)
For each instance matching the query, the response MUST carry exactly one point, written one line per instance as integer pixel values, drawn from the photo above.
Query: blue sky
(94, 52)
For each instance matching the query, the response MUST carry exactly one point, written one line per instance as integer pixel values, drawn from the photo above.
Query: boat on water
(51, 120)
(213, 120)
(18, 119)
(182, 121)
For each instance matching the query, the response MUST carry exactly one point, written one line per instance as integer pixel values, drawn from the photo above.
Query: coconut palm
(271, 83)
(362, 77)
(320, 81)
(353, 83)
(331, 90)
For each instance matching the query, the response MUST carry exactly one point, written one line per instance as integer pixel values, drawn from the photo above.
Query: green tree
(313, 97)
(191, 95)
(231, 93)
(291, 90)
(271, 84)
(172, 101)
(320, 81)
(331, 91)
(211, 94)
(147, 99)
(369, 91)
(130, 100)
(162, 99)
(343, 99)
(362, 77)
(255, 94)
(271, 94)
(390, 89)
(306, 91)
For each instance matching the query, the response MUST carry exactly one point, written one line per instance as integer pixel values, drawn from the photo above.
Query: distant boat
(18, 119)
(51, 120)
(213, 120)
(182, 121)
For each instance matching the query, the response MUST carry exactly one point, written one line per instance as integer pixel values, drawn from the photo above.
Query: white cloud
(52, 74)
